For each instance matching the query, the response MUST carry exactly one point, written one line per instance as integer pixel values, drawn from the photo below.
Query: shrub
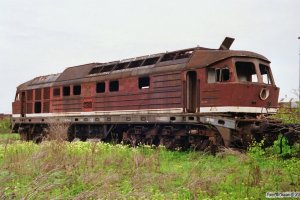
(256, 149)
(5, 125)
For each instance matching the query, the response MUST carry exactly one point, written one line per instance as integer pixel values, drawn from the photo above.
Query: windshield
(246, 72)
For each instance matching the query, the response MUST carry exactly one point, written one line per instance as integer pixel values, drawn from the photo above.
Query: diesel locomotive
(193, 97)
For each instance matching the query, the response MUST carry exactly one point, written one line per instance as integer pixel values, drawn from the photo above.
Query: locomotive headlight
(264, 93)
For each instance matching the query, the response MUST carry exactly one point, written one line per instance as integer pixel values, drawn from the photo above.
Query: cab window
(265, 73)
(246, 72)
(218, 75)
(17, 97)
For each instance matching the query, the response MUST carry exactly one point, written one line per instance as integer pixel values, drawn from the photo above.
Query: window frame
(37, 107)
(269, 74)
(63, 92)
(255, 68)
(111, 86)
(75, 90)
(218, 78)
(146, 86)
(103, 87)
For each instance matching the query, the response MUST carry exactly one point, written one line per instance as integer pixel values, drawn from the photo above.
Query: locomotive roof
(40, 81)
(197, 57)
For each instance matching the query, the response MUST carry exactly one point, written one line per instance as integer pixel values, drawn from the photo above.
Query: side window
(17, 98)
(223, 75)
(218, 75)
(37, 107)
(211, 75)
(144, 82)
(56, 92)
(76, 89)
(265, 73)
(66, 91)
(100, 87)
(114, 86)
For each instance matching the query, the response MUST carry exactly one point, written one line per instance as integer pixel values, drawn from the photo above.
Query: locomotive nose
(264, 93)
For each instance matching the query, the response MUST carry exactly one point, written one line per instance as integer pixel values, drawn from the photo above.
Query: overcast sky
(40, 37)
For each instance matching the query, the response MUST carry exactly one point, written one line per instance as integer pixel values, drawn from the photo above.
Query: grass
(8, 138)
(83, 170)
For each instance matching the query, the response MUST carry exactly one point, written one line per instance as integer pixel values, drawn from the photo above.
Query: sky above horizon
(44, 37)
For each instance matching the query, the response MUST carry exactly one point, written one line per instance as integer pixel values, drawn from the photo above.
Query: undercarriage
(199, 132)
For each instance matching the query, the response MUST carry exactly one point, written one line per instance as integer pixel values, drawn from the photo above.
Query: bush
(5, 125)
(256, 149)
(289, 115)
(280, 148)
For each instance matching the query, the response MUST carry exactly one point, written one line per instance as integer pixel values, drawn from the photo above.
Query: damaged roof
(41, 81)
(205, 58)
(197, 57)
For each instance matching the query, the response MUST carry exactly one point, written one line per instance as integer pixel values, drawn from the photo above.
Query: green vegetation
(288, 115)
(5, 125)
(8, 138)
(84, 170)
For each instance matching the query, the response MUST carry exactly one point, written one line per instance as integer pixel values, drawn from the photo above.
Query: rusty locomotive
(193, 97)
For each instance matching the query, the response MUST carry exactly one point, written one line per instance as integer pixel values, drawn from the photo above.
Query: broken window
(144, 82)
(113, 86)
(66, 91)
(56, 92)
(184, 54)
(150, 61)
(218, 75)
(100, 87)
(17, 98)
(265, 73)
(96, 70)
(76, 89)
(168, 56)
(107, 68)
(135, 63)
(246, 72)
(37, 107)
(121, 65)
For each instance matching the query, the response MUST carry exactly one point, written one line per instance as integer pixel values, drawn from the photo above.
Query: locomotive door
(23, 104)
(191, 91)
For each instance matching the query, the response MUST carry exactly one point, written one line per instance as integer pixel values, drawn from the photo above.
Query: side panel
(164, 92)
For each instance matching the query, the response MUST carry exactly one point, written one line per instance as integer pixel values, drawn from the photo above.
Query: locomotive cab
(239, 85)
